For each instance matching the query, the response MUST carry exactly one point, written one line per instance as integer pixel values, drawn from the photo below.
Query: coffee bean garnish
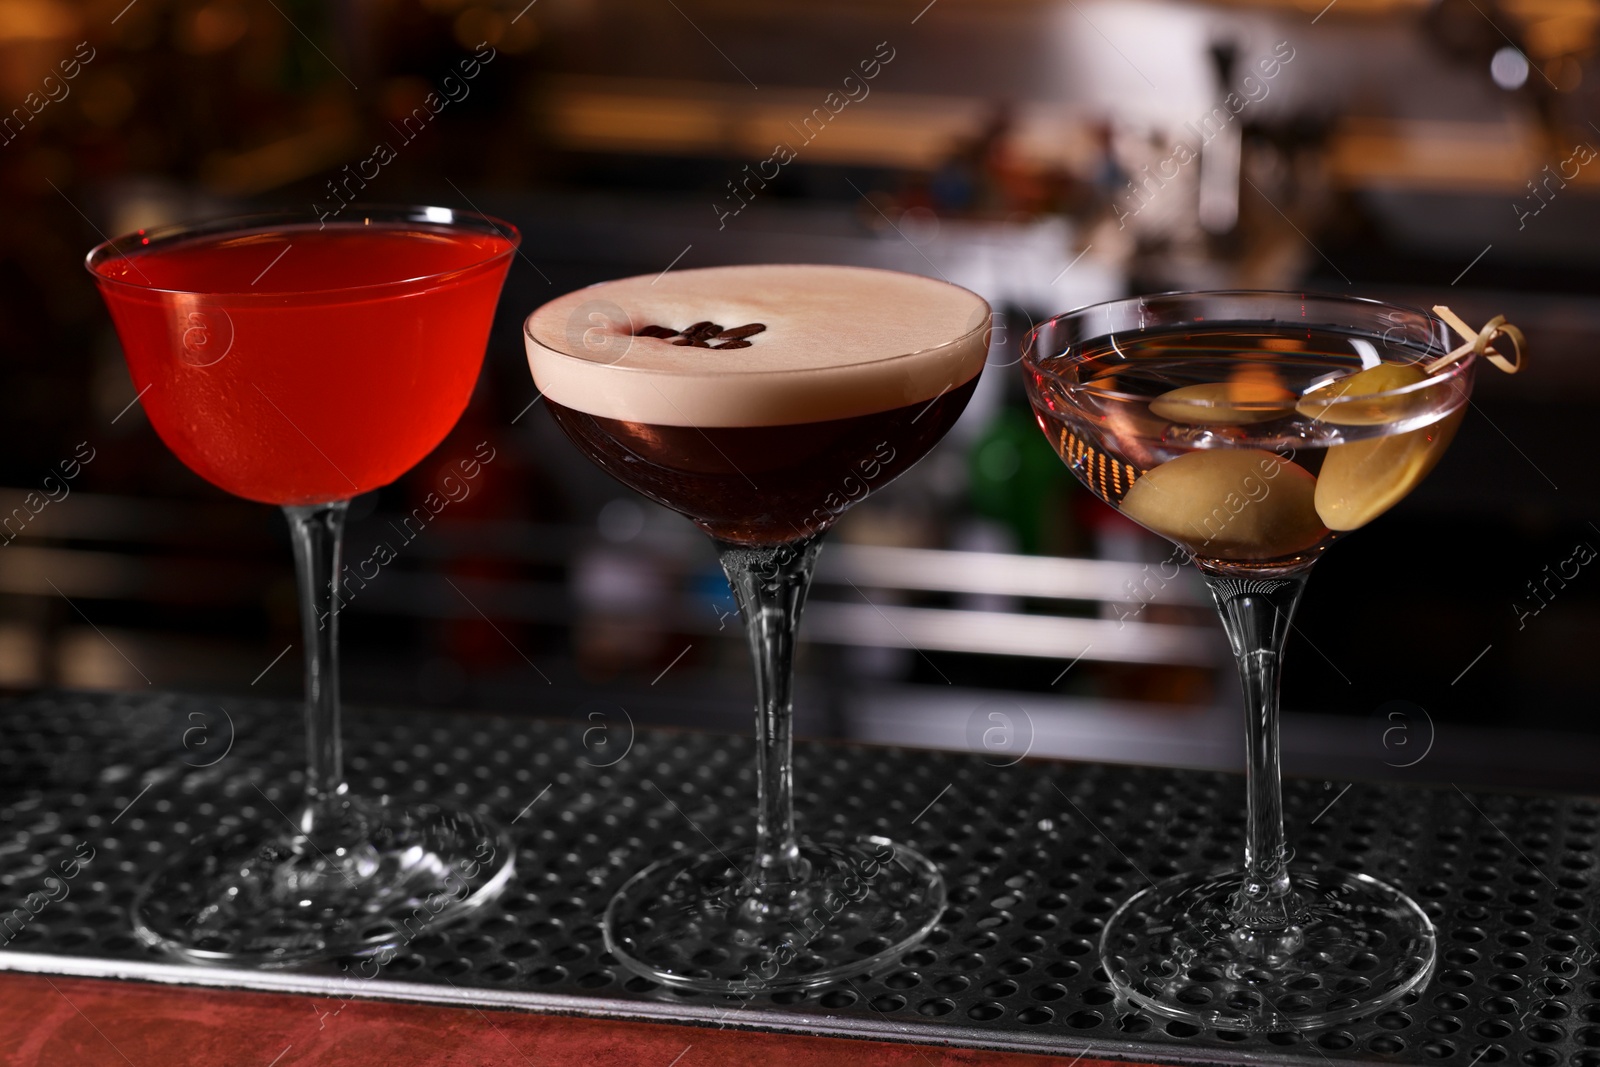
(702, 333)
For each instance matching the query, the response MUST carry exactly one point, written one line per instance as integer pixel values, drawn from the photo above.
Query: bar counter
(1036, 854)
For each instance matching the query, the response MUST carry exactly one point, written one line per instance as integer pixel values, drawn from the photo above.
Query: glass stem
(770, 584)
(1256, 613)
(318, 534)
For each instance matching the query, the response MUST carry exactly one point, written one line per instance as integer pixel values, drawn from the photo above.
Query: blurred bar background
(1045, 153)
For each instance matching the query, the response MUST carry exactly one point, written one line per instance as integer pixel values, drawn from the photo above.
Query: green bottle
(1016, 480)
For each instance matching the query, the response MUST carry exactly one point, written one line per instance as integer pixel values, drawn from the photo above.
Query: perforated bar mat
(1036, 856)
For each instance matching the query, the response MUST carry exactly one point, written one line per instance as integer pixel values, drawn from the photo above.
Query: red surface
(75, 1022)
(270, 375)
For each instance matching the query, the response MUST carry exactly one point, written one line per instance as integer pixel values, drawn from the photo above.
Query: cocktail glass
(762, 402)
(301, 363)
(1253, 429)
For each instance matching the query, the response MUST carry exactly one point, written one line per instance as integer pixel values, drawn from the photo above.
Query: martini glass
(762, 402)
(1254, 429)
(301, 364)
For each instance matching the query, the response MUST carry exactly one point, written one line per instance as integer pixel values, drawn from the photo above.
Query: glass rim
(985, 324)
(1033, 362)
(441, 218)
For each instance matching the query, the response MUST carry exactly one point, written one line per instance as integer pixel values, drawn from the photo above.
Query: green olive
(1235, 503)
(1363, 479)
(1338, 403)
(1236, 403)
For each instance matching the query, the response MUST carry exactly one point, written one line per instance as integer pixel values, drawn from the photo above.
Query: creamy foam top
(839, 341)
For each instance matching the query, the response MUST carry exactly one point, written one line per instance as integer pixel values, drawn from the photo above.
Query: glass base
(1351, 946)
(372, 877)
(701, 922)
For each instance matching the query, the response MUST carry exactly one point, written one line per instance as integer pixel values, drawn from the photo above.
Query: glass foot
(1349, 946)
(702, 922)
(371, 877)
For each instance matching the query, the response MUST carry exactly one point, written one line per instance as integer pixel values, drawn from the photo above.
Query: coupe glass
(1253, 429)
(301, 363)
(765, 458)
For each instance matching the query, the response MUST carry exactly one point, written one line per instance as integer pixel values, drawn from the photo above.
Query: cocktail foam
(838, 342)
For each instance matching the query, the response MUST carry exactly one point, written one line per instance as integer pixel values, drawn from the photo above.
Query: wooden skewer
(1478, 342)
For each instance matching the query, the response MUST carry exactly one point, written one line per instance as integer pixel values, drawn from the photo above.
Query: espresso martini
(760, 401)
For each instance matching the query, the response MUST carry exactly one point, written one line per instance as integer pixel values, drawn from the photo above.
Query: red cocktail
(302, 364)
(297, 365)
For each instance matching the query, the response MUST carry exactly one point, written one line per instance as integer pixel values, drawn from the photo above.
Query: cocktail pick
(1478, 342)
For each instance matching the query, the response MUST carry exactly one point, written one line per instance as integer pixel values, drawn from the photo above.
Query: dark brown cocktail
(765, 485)
(762, 402)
